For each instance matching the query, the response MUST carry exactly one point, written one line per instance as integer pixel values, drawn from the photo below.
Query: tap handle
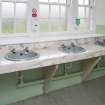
(26, 49)
(63, 46)
(13, 51)
(72, 44)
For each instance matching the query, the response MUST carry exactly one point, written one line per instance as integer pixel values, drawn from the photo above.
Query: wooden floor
(90, 93)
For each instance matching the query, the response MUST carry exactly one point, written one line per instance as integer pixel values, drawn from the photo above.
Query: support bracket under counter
(88, 67)
(48, 74)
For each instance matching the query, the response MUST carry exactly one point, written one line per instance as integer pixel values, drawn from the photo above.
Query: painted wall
(100, 16)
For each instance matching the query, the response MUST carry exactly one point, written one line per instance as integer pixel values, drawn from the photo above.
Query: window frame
(14, 17)
(30, 36)
(49, 14)
(91, 21)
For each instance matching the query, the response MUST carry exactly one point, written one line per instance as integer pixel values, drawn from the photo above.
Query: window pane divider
(12, 1)
(49, 20)
(14, 28)
(0, 18)
(83, 5)
(48, 3)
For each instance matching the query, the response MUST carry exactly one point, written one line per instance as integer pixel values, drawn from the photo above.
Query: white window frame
(0, 18)
(14, 18)
(91, 17)
(69, 15)
(57, 4)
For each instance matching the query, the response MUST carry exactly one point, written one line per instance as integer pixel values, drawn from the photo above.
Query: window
(13, 16)
(85, 7)
(52, 15)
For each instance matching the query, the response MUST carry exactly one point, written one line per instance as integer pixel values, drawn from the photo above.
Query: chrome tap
(26, 49)
(13, 50)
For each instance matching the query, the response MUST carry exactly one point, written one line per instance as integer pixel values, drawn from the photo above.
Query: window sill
(42, 37)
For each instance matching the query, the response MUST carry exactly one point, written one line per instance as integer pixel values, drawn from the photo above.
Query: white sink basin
(21, 55)
(72, 48)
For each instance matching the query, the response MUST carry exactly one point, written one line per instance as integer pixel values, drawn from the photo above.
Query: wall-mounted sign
(34, 13)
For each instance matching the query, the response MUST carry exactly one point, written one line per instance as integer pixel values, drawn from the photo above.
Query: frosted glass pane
(81, 2)
(54, 11)
(44, 11)
(84, 26)
(7, 26)
(57, 25)
(86, 2)
(87, 12)
(62, 1)
(52, 25)
(20, 26)
(54, 1)
(81, 12)
(44, 26)
(21, 9)
(43, 0)
(84, 21)
(7, 9)
(63, 11)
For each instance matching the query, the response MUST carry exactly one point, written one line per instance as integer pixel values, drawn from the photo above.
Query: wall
(100, 16)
